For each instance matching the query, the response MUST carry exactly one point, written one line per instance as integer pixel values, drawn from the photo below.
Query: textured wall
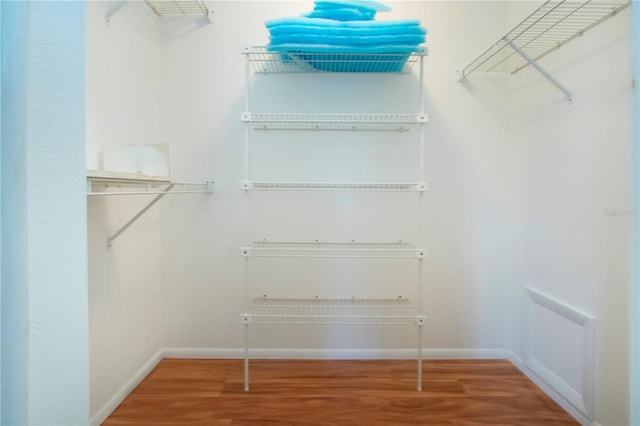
(14, 227)
(45, 371)
(125, 282)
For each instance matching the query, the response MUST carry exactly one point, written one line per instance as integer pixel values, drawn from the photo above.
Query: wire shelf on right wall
(551, 26)
(548, 28)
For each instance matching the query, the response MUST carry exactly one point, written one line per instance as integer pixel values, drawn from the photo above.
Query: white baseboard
(553, 394)
(264, 353)
(108, 408)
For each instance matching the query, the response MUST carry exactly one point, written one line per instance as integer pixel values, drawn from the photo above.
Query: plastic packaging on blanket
(345, 45)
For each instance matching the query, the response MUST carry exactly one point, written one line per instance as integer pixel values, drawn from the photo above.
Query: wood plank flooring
(328, 393)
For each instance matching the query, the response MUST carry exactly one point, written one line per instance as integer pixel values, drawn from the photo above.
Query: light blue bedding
(367, 5)
(342, 14)
(341, 36)
(347, 40)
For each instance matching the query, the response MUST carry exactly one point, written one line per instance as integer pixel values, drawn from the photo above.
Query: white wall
(44, 335)
(0, 213)
(575, 171)
(125, 282)
(467, 216)
(524, 191)
(634, 353)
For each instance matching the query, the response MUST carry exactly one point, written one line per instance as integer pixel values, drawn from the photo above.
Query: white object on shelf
(333, 186)
(142, 159)
(264, 61)
(265, 310)
(388, 250)
(551, 26)
(344, 122)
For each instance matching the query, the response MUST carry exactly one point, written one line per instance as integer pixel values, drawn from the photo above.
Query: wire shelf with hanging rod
(551, 26)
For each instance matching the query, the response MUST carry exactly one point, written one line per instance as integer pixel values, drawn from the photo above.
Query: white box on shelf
(142, 159)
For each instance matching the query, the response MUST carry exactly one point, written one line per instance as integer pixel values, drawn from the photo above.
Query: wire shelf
(334, 186)
(264, 61)
(400, 311)
(178, 7)
(344, 122)
(551, 26)
(390, 250)
(101, 183)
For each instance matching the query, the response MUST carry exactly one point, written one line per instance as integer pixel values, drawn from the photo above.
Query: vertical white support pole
(420, 356)
(247, 105)
(246, 357)
(420, 224)
(246, 195)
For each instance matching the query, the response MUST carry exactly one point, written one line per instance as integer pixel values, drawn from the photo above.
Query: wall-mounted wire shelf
(342, 122)
(265, 310)
(548, 28)
(334, 186)
(115, 183)
(178, 7)
(101, 183)
(316, 249)
(264, 61)
(167, 8)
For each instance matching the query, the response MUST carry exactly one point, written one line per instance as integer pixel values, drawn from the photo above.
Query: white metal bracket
(246, 319)
(420, 320)
(245, 251)
(210, 186)
(423, 51)
(421, 253)
(246, 185)
(422, 117)
(137, 216)
(422, 186)
(245, 50)
(544, 72)
(245, 116)
(113, 10)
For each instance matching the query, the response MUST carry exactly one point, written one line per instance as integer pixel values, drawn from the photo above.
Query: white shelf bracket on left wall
(136, 185)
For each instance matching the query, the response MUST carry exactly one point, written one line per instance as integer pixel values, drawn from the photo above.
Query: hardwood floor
(328, 393)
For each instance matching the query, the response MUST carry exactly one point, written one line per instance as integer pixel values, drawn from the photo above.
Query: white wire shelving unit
(334, 186)
(167, 8)
(264, 61)
(548, 28)
(104, 183)
(319, 311)
(316, 249)
(399, 311)
(340, 122)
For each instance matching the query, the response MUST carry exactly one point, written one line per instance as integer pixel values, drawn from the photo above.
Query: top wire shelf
(178, 7)
(316, 249)
(264, 61)
(551, 26)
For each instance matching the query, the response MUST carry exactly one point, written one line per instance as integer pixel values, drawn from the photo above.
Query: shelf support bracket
(137, 216)
(113, 10)
(544, 72)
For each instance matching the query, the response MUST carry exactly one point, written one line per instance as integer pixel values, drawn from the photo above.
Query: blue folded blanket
(329, 37)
